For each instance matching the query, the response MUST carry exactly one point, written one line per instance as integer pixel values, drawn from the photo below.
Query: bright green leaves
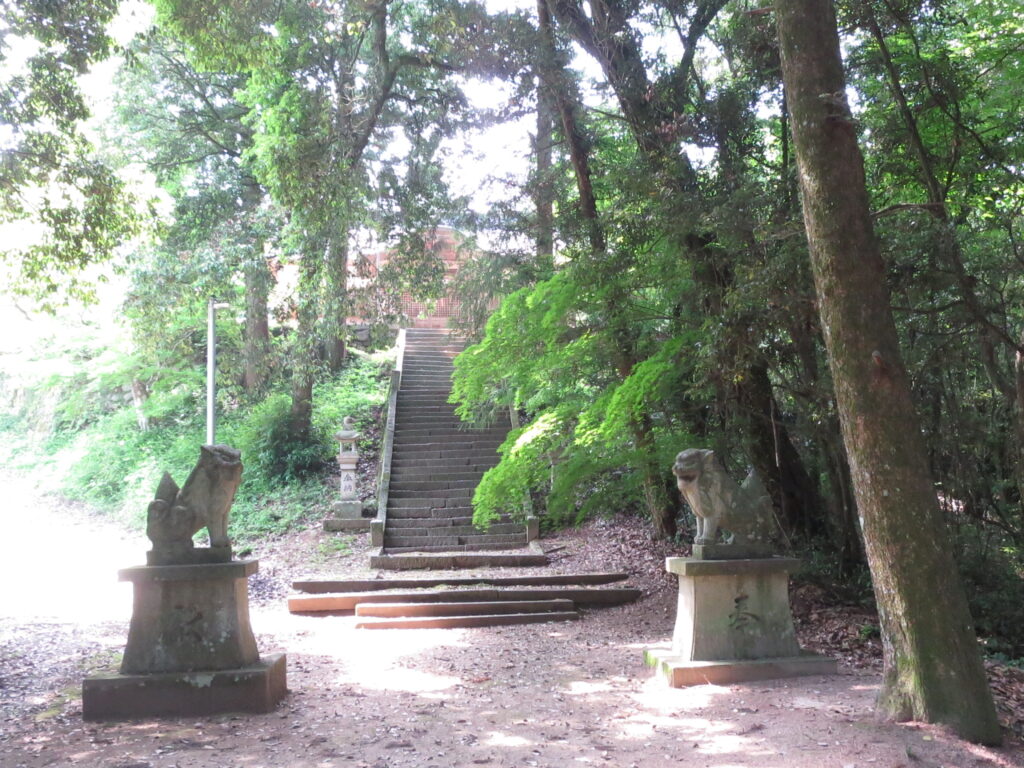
(61, 209)
(548, 353)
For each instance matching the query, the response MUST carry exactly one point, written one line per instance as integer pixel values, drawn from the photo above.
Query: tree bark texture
(544, 192)
(257, 287)
(303, 356)
(933, 670)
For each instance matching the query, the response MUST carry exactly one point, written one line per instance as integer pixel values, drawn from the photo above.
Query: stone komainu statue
(204, 502)
(718, 502)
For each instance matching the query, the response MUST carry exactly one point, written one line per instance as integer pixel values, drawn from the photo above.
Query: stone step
(432, 474)
(426, 511)
(431, 451)
(370, 585)
(414, 498)
(463, 464)
(447, 442)
(347, 601)
(438, 542)
(425, 523)
(449, 561)
(418, 455)
(448, 430)
(440, 548)
(436, 408)
(417, 417)
(420, 401)
(458, 622)
(450, 526)
(440, 501)
(434, 485)
(409, 417)
(493, 608)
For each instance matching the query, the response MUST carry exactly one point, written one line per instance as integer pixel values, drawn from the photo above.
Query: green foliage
(579, 453)
(89, 439)
(274, 455)
(994, 581)
(270, 448)
(62, 209)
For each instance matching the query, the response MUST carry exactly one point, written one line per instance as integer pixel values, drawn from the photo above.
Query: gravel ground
(537, 695)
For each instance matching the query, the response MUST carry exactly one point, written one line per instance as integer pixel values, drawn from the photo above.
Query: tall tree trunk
(775, 458)
(543, 190)
(303, 357)
(336, 303)
(140, 394)
(257, 281)
(933, 671)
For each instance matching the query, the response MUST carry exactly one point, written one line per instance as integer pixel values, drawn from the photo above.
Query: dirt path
(541, 695)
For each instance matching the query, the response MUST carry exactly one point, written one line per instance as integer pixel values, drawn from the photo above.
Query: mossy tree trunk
(933, 670)
(257, 287)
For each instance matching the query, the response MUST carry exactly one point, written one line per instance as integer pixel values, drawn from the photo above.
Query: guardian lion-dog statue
(719, 503)
(204, 502)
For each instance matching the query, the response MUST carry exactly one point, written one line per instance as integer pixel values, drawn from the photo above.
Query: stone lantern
(349, 506)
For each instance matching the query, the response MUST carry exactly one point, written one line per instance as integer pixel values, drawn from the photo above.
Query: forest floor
(539, 695)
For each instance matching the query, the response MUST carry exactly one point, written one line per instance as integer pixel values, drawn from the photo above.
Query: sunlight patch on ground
(497, 739)
(406, 680)
(370, 659)
(586, 687)
(656, 694)
(87, 594)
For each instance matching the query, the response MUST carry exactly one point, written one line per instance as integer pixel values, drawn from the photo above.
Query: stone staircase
(436, 462)
(464, 602)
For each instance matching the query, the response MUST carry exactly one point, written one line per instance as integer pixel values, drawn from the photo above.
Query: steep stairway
(436, 464)
(484, 602)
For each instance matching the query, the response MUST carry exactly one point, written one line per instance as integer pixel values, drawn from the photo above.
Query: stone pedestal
(190, 648)
(733, 623)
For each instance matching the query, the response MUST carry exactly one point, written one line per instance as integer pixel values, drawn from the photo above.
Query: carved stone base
(349, 510)
(189, 618)
(254, 688)
(733, 623)
(681, 673)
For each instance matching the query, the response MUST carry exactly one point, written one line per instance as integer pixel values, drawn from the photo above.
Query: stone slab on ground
(456, 622)
(364, 585)
(681, 673)
(495, 607)
(346, 525)
(255, 688)
(453, 561)
(348, 602)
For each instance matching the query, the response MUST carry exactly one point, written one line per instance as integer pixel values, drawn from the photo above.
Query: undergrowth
(80, 436)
